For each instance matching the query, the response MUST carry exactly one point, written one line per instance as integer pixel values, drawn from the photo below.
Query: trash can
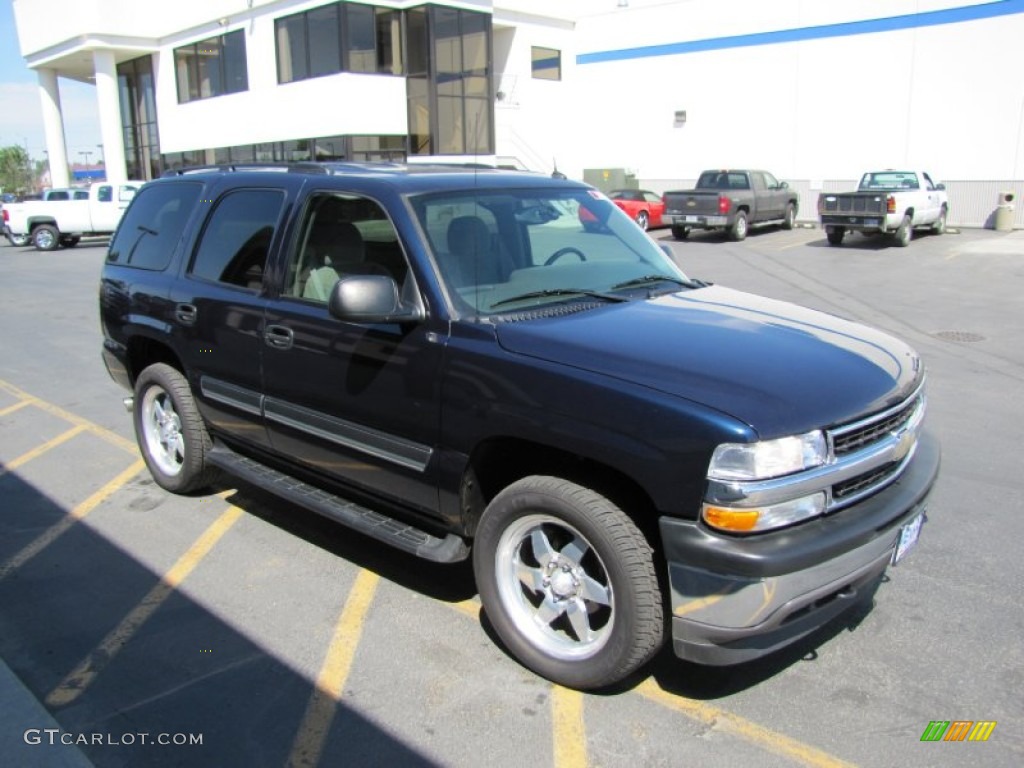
(1004, 212)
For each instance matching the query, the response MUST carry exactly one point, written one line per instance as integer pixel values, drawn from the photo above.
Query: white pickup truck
(52, 223)
(886, 202)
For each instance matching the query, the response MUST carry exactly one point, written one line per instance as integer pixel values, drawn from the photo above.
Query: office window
(449, 85)
(211, 67)
(340, 37)
(546, 63)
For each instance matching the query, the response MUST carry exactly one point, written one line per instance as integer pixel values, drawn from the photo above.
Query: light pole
(86, 152)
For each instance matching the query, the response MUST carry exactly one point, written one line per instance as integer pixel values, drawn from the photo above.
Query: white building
(814, 91)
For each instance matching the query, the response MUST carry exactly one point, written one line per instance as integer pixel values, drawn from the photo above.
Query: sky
(21, 116)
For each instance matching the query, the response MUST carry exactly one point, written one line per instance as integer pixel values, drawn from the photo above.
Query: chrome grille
(864, 434)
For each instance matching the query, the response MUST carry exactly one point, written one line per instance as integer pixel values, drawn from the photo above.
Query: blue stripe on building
(845, 29)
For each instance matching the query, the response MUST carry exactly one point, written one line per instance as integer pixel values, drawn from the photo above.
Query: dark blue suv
(447, 359)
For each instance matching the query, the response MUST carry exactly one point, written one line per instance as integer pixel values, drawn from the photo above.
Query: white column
(110, 115)
(53, 126)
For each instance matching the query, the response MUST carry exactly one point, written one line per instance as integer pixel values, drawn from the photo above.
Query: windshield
(506, 250)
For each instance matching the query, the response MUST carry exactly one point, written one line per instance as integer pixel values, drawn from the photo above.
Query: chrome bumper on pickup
(696, 220)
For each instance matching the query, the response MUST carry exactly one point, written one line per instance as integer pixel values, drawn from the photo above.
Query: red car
(643, 206)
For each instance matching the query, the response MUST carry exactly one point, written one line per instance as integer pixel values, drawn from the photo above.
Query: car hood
(780, 368)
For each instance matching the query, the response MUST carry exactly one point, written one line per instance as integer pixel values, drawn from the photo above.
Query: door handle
(186, 314)
(279, 336)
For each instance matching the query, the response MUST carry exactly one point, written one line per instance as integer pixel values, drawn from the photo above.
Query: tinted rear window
(153, 224)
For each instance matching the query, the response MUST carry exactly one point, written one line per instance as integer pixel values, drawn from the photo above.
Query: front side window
(342, 235)
(514, 250)
(236, 239)
(212, 67)
(153, 224)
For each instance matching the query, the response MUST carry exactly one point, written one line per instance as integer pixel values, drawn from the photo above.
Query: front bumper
(735, 599)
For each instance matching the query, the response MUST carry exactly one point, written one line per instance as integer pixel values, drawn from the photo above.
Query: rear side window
(236, 239)
(153, 224)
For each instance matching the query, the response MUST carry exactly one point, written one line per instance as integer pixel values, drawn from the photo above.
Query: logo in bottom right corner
(958, 730)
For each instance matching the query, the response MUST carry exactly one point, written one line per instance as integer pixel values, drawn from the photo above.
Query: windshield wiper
(559, 292)
(648, 279)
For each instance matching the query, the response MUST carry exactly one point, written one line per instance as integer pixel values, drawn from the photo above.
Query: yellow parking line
(72, 686)
(60, 439)
(569, 732)
(16, 407)
(757, 735)
(56, 410)
(45, 539)
(316, 723)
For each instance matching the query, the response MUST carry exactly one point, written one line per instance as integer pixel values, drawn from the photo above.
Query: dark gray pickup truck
(732, 201)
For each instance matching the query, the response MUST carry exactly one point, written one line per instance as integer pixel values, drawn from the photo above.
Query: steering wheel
(562, 252)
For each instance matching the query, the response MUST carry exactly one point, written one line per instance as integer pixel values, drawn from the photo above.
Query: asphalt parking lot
(233, 629)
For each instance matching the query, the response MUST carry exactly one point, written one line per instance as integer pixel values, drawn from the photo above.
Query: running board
(450, 549)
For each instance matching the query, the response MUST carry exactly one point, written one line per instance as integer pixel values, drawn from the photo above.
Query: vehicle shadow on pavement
(181, 670)
(450, 583)
(859, 242)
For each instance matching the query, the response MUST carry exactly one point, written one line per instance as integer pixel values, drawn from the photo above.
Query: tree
(15, 170)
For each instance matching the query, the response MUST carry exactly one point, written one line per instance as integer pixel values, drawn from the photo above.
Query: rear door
(218, 307)
(356, 403)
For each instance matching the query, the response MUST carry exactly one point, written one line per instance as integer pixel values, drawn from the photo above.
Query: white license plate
(871, 222)
(692, 218)
(909, 534)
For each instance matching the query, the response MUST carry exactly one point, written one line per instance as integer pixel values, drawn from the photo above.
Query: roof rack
(301, 167)
(332, 167)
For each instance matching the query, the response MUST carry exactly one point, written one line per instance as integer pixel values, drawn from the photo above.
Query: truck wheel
(69, 241)
(19, 241)
(46, 237)
(680, 233)
(939, 227)
(738, 230)
(904, 233)
(170, 431)
(835, 236)
(789, 220)
(642, 220)
(568, 582)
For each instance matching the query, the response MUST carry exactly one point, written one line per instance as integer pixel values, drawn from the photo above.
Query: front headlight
(768, 458)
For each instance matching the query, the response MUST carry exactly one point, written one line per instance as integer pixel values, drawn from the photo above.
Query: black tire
(591, 613)
(904, 233)
(70, 241)
(19, 241)
(738, 230)
(939, 227)
(170, 432)
(46, 237)
(643, 220)
(789, 219)
(835, 236)
(680, 233)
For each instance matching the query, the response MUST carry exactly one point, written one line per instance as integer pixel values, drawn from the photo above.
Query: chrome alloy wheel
(554, 587)
(161, 427)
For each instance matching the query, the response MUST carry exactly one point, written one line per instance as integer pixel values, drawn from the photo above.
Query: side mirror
(783, 185)
(940, 187)
(371, 299)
